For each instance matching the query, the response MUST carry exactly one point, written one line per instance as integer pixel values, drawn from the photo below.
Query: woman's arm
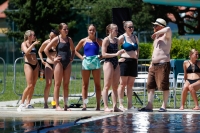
(99, 41)
(26, 49)
(104, 50)
(78, 47)
(138, 46)
(53, 43)
(184, 69)
(72, 48)
(120, 40)
(42, 47)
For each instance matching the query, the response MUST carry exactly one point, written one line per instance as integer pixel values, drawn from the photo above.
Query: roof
(3, 7)
(186, 3)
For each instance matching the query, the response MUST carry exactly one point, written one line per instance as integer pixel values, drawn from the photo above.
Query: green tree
(40, 16)
(100, 12)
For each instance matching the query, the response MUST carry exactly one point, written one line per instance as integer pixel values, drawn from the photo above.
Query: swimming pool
(139, 122)
(124, 123)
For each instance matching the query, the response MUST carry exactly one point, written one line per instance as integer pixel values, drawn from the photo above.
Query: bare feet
(181, 108)
(196, 108)
(46, 106)
(98, 109)
(107, 110)
(84, 109)
(66, 108)
(122, 108)
(117, 110)
(58, 108)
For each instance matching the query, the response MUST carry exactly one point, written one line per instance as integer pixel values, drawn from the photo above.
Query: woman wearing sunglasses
(128, 63)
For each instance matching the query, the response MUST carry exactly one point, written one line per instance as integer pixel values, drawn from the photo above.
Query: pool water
(139, 122)
(124, 123)
(26, 124)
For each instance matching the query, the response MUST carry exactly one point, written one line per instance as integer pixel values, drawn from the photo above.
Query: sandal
(133, 108)
(29, 106)
(145, 110)
(162, 110)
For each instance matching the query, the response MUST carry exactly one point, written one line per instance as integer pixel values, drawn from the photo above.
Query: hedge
(179, 50)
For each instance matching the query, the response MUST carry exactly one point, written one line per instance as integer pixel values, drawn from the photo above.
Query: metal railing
(2, 76)
(75, 86)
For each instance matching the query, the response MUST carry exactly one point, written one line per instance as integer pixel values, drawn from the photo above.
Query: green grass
(75, 88)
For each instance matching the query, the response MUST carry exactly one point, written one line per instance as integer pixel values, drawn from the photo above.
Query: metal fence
(75, 87)
(2, 76)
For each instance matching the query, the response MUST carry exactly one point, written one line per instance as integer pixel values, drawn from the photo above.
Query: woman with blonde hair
(62, 63)
(90, 64)
(111, 67)
(31, 67)
(192, 79)
(48, 65)
(128, 64)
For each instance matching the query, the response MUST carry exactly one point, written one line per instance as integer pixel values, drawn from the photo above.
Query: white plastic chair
(171, 85)
(140, 84)
(179, 85)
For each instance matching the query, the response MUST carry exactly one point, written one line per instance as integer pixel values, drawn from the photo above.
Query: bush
(145, 50)
(179, 50)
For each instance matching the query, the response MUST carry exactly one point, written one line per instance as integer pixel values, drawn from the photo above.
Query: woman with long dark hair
(90, 64)
(62, 63)
(48, 65)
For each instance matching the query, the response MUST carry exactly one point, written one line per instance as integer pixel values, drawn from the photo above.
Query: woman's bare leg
(48, 77)
(35, 77)
(58, 75)
(85, 84)
(184, 95)
(121, 88)
(108, 79)
(193, 88)
(66, 80)
(29, 79)
(115, 84)
(130, 83)
(97, 82)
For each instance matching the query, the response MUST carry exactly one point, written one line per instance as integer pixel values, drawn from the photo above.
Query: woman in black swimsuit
(31, 67)
(48, 65)
(62, 63)
(192, 79)
(111, 66)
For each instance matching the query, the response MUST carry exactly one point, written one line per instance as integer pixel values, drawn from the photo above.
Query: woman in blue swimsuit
(111, 66)
(48, 65)
(31, 67)
(90, 46)
(128, 64)
(192, 79)
(62, 63)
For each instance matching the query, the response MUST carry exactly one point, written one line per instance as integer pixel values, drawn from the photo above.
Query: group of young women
(59, 48)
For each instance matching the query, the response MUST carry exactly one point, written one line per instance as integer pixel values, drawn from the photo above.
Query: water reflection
(125, 123)
(29, 124)
(143, 122)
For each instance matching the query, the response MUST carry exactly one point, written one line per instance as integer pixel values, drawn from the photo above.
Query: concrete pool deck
(9, 109)
(36, 119)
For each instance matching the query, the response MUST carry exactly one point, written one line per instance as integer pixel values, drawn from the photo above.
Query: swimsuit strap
(135, 38)
(124, 39)
(57, 44)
